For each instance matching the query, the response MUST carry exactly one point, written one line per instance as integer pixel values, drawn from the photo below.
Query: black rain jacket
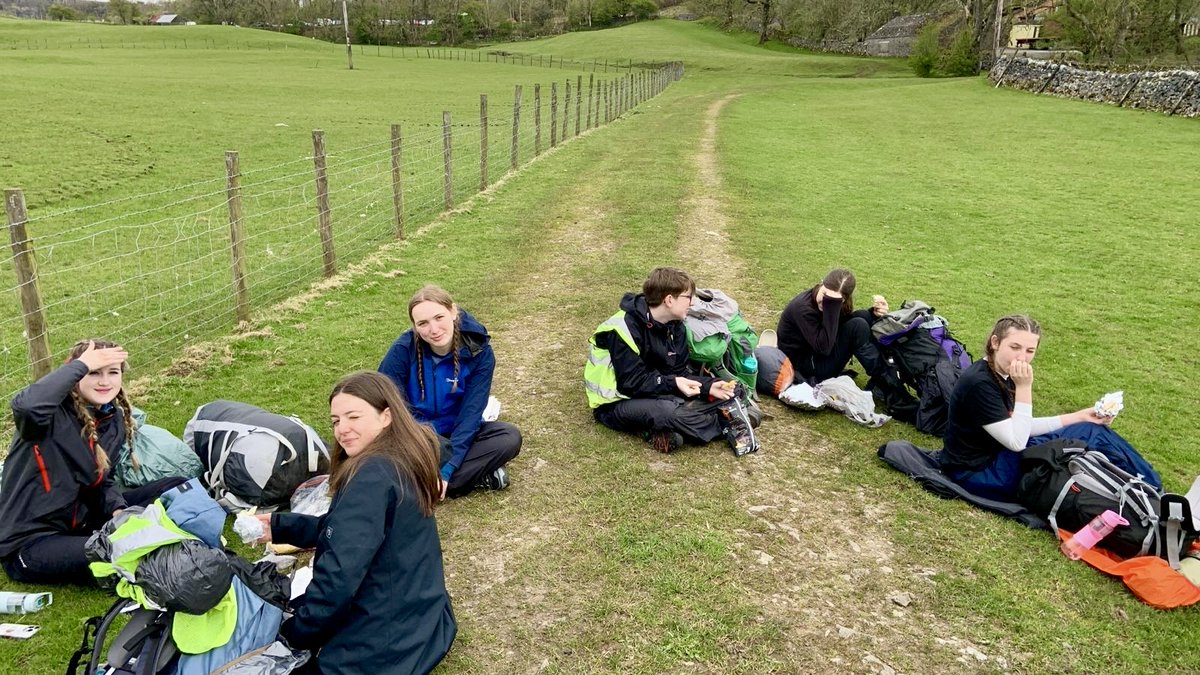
(50, 484)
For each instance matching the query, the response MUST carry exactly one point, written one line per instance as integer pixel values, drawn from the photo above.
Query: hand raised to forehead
(96, 358)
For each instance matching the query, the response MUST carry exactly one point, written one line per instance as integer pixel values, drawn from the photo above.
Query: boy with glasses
(638, 377)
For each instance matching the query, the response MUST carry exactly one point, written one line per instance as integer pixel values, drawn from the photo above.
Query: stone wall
(1164, 91)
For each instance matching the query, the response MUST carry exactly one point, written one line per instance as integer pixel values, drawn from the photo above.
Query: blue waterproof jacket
(452, 406)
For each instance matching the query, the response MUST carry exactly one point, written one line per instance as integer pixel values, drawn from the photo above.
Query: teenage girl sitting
(991, 418)
(58, 483)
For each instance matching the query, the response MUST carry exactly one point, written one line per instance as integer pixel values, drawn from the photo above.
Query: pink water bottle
(1090, 534)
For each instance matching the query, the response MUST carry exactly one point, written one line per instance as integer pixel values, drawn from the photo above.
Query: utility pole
(346, 25)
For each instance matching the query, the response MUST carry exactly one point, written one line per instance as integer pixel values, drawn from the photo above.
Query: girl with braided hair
(443, 367)
(991, 417)
(58, 484)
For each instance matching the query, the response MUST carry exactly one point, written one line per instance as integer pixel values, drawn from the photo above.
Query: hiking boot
(737, 429)
(496, 480)
(666, 442)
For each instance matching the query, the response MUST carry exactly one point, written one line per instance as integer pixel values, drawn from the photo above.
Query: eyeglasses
(681, 296)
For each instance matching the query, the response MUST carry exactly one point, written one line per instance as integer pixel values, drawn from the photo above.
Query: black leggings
(60, 558)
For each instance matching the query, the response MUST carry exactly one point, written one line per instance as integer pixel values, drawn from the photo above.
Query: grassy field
(120, 152)
(606, 557)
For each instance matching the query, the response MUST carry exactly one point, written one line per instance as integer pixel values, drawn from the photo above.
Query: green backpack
(729, 355)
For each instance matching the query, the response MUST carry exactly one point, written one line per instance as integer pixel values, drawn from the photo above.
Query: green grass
(604, 557)
(96, 126)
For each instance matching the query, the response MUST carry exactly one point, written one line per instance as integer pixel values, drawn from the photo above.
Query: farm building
(896, 37)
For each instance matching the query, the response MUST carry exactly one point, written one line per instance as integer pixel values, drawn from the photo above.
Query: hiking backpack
(143, 646)
(1069, 485)
(729, 351)
(928, 358)
(253, 457)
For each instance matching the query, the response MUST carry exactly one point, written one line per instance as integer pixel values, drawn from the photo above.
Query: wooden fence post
(1136, 80)
(324, 224)
(566, 118)
(483, 142)
(397, 182)
(25, 264)
(591, 90)
(516, 139)
(237, 235)
(1050, 79)
(447, 163)
(1182, 97)
(537, 119)
(608, 101)
(578, 102)
(553, 114)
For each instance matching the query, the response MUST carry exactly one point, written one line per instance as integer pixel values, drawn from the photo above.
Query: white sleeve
(1044, 425)
(1013, 433)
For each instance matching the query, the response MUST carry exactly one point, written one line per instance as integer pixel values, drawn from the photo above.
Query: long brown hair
(88, 421)
(1004, 326)
(411, 447)
(433, 293)
(842, 280)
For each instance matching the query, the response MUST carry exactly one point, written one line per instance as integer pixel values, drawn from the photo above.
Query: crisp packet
(1110, 404)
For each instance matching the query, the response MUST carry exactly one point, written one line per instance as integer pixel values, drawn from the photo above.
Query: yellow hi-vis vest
(599, 376)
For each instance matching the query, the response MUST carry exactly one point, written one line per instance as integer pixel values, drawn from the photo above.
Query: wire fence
(161, 270)
(481, 55)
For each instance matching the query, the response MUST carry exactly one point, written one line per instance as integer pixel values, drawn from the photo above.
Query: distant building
(1192, 27)
(170, 20)
(896, 37)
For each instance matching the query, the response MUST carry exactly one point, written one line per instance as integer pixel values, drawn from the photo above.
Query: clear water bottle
(1087, 537)
(23, 603)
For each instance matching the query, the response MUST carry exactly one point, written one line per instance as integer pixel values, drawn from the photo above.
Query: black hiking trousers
(60, 558)
(853, 339)
(699, 422)
(496, 444)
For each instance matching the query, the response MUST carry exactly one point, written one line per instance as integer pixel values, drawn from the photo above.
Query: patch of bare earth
(817, 557)
(539, 360)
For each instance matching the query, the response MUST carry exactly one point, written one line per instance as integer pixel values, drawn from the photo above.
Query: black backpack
(1068, 485)
(142, 647)
(928, 358)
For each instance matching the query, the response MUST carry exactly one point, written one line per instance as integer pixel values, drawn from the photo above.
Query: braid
(89, 432)
(420, 367)
(454, 345)
(130, 427)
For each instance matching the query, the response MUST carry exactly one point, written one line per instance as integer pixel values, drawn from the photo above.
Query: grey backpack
(253, 457)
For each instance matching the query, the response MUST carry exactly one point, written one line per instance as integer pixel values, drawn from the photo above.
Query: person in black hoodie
(377, 602)
(638, 377)
(58, 485)
(819, 330)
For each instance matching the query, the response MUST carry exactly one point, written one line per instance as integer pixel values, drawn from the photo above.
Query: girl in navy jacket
(443, 367)
(377, 602)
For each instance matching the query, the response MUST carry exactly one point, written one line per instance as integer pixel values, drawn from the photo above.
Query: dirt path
(817, 557)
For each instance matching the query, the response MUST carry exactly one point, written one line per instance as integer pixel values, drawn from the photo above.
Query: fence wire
(154, 271)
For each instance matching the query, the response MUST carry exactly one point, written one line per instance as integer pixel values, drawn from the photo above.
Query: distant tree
(122, 11)
(62, 13)
(765, 20)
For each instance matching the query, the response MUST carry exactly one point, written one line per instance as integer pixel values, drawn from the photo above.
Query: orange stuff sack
(1148, 577)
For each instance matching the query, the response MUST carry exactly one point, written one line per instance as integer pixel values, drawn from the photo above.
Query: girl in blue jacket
(443, 366)
(377, 602)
